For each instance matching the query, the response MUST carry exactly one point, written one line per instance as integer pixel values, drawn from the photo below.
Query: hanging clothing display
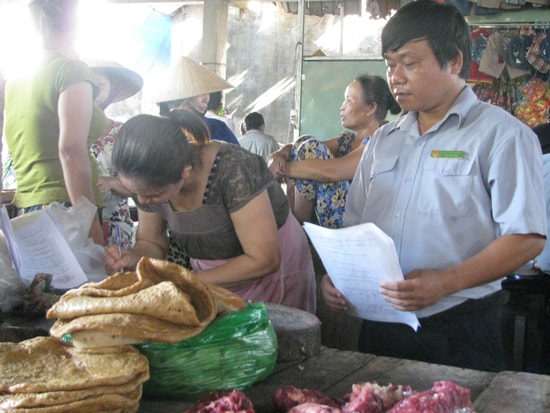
(510, 69)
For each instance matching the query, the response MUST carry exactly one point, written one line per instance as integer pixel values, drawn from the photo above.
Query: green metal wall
(323, 85)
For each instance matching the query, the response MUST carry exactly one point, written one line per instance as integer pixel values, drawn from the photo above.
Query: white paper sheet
(10, 239)
(40, 247)
(357, 259)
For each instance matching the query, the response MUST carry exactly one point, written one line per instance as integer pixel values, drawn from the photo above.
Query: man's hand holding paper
(358, 259)
(419, 290)
(334, 299)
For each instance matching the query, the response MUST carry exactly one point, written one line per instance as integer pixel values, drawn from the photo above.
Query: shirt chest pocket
(446, 186)
(382, 173)
(382, 182)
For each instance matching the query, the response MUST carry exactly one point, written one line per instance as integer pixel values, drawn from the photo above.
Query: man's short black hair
(253, 120)
(440, 24)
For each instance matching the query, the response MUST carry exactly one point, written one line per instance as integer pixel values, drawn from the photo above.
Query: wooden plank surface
(512, 392)
(420, 376)
(334, 372)
(320, 372)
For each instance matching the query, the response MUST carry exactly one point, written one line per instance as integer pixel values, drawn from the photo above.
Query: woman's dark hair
(215, 101)
(441, 24)
(166, 107)
(155, 149)
(192, 125)
(376, 90)
(55, 15)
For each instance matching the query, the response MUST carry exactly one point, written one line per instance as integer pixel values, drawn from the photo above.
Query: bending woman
(221, 204)
(322, 177)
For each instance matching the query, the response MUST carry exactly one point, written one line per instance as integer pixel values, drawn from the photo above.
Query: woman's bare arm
(75, 114)
(278, 159)
(325, 170)
(257, 231)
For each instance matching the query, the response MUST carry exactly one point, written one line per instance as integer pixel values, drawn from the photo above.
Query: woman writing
(221, 205)
(324, 169)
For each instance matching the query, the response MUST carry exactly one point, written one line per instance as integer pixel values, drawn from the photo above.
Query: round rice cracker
(149, 272)
(53, 398)
(115, 285)
(134, 326)
(45, 364)
(163, 300)
(186, 280)
(99, 403)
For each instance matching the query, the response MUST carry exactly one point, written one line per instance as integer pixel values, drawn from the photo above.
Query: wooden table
(334, 372)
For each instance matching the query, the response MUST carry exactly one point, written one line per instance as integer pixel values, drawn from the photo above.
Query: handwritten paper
(38, 246)
(357, 259)
(10, 239)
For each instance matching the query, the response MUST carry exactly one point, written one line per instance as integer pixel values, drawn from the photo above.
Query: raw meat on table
(223, 401)
(285, 398)
(443, 397)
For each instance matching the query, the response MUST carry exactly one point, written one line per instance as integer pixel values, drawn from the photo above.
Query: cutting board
(298, 332)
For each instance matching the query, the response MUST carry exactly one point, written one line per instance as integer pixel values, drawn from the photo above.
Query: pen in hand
(119, 243)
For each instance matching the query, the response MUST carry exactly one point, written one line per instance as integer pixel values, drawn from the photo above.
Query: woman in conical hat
(121, 82)
(187, 85)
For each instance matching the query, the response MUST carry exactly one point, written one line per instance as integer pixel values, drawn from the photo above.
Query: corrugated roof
(320, 8)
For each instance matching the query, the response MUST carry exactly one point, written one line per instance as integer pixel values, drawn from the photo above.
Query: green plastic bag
(233, 352)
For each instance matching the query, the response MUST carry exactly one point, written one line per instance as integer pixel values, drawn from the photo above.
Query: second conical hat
(124, 81)
(183, 80)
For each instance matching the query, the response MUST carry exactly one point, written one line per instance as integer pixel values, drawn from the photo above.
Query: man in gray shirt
(255, 140)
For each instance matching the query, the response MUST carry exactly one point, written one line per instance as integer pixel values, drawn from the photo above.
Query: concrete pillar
(214, 36)
(2, 84)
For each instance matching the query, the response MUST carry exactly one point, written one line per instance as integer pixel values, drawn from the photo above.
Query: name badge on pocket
(447, 154)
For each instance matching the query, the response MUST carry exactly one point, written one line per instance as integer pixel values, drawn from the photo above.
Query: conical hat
(124, 82)
(183, 80)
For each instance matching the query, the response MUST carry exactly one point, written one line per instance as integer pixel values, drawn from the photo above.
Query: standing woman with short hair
(51, 120)
(221, 204)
